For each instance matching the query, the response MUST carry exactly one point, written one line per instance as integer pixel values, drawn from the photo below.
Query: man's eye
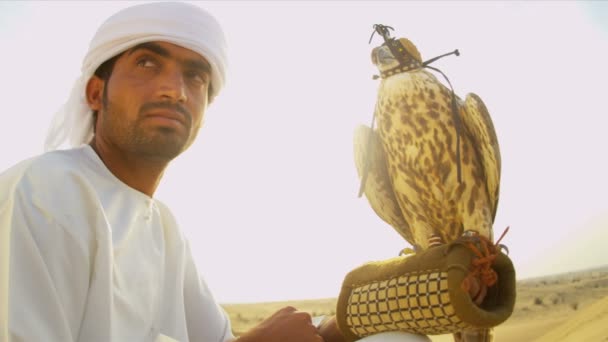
(197, 77)
(146, 63)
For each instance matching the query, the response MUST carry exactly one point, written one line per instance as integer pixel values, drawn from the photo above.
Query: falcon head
(385, 60)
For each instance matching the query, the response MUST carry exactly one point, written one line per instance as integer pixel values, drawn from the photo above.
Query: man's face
(154, 101)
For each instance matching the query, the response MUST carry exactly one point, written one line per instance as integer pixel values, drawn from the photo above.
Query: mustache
(176, 107)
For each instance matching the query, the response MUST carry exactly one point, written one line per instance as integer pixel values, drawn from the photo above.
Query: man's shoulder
(49, 170)
(48, 167)
(163, 208)
(54, 187)
(166, 215)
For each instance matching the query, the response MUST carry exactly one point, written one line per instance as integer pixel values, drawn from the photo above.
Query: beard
(132, 135)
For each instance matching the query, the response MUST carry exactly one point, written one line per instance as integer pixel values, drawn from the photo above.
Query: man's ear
(94, 92)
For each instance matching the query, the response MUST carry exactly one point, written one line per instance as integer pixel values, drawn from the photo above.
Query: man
(87, 253)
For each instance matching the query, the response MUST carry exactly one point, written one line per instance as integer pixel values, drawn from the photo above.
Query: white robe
(90, 259)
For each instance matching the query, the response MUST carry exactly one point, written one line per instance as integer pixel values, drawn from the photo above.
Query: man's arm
(287, 324)
(4, 253)
(48, 274)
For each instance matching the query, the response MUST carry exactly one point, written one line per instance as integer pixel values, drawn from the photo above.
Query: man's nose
(173, 86)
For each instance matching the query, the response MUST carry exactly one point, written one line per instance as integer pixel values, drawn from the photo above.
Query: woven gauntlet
(423, 294)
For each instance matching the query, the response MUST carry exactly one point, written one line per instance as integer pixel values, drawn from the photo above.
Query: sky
(267, 194)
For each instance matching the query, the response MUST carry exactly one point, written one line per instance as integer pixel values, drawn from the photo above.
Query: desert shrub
(538, 301)
(556, 298)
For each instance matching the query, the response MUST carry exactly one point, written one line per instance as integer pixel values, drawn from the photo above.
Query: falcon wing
(480, 128)
(378, 186)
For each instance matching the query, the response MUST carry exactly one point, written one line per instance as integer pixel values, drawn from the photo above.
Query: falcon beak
(383, 56)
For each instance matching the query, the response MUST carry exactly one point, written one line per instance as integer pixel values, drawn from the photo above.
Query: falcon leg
(435, 240)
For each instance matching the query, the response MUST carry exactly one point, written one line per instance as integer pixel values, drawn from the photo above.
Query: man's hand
(287, 324)
(330, 332)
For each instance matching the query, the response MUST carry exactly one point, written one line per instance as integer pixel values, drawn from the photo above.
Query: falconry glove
(423, 293)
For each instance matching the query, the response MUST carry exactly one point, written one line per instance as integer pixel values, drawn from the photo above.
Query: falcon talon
(470, 233)
(502, 247)
(406, 252)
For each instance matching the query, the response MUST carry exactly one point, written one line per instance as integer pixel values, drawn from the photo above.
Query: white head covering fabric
(178, 23)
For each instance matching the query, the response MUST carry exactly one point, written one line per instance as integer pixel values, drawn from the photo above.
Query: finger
(304, 316)
(288, 309)
(283, 312)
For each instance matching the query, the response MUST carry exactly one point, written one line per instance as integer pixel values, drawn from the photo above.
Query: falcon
(431, 168)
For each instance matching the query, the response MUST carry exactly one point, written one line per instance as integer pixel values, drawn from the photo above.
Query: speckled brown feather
(378, 187)
(480, 130)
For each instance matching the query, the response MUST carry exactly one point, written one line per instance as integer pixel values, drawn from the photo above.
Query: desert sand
(564, 307)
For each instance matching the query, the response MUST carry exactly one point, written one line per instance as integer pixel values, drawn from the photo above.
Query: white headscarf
(179, 23)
